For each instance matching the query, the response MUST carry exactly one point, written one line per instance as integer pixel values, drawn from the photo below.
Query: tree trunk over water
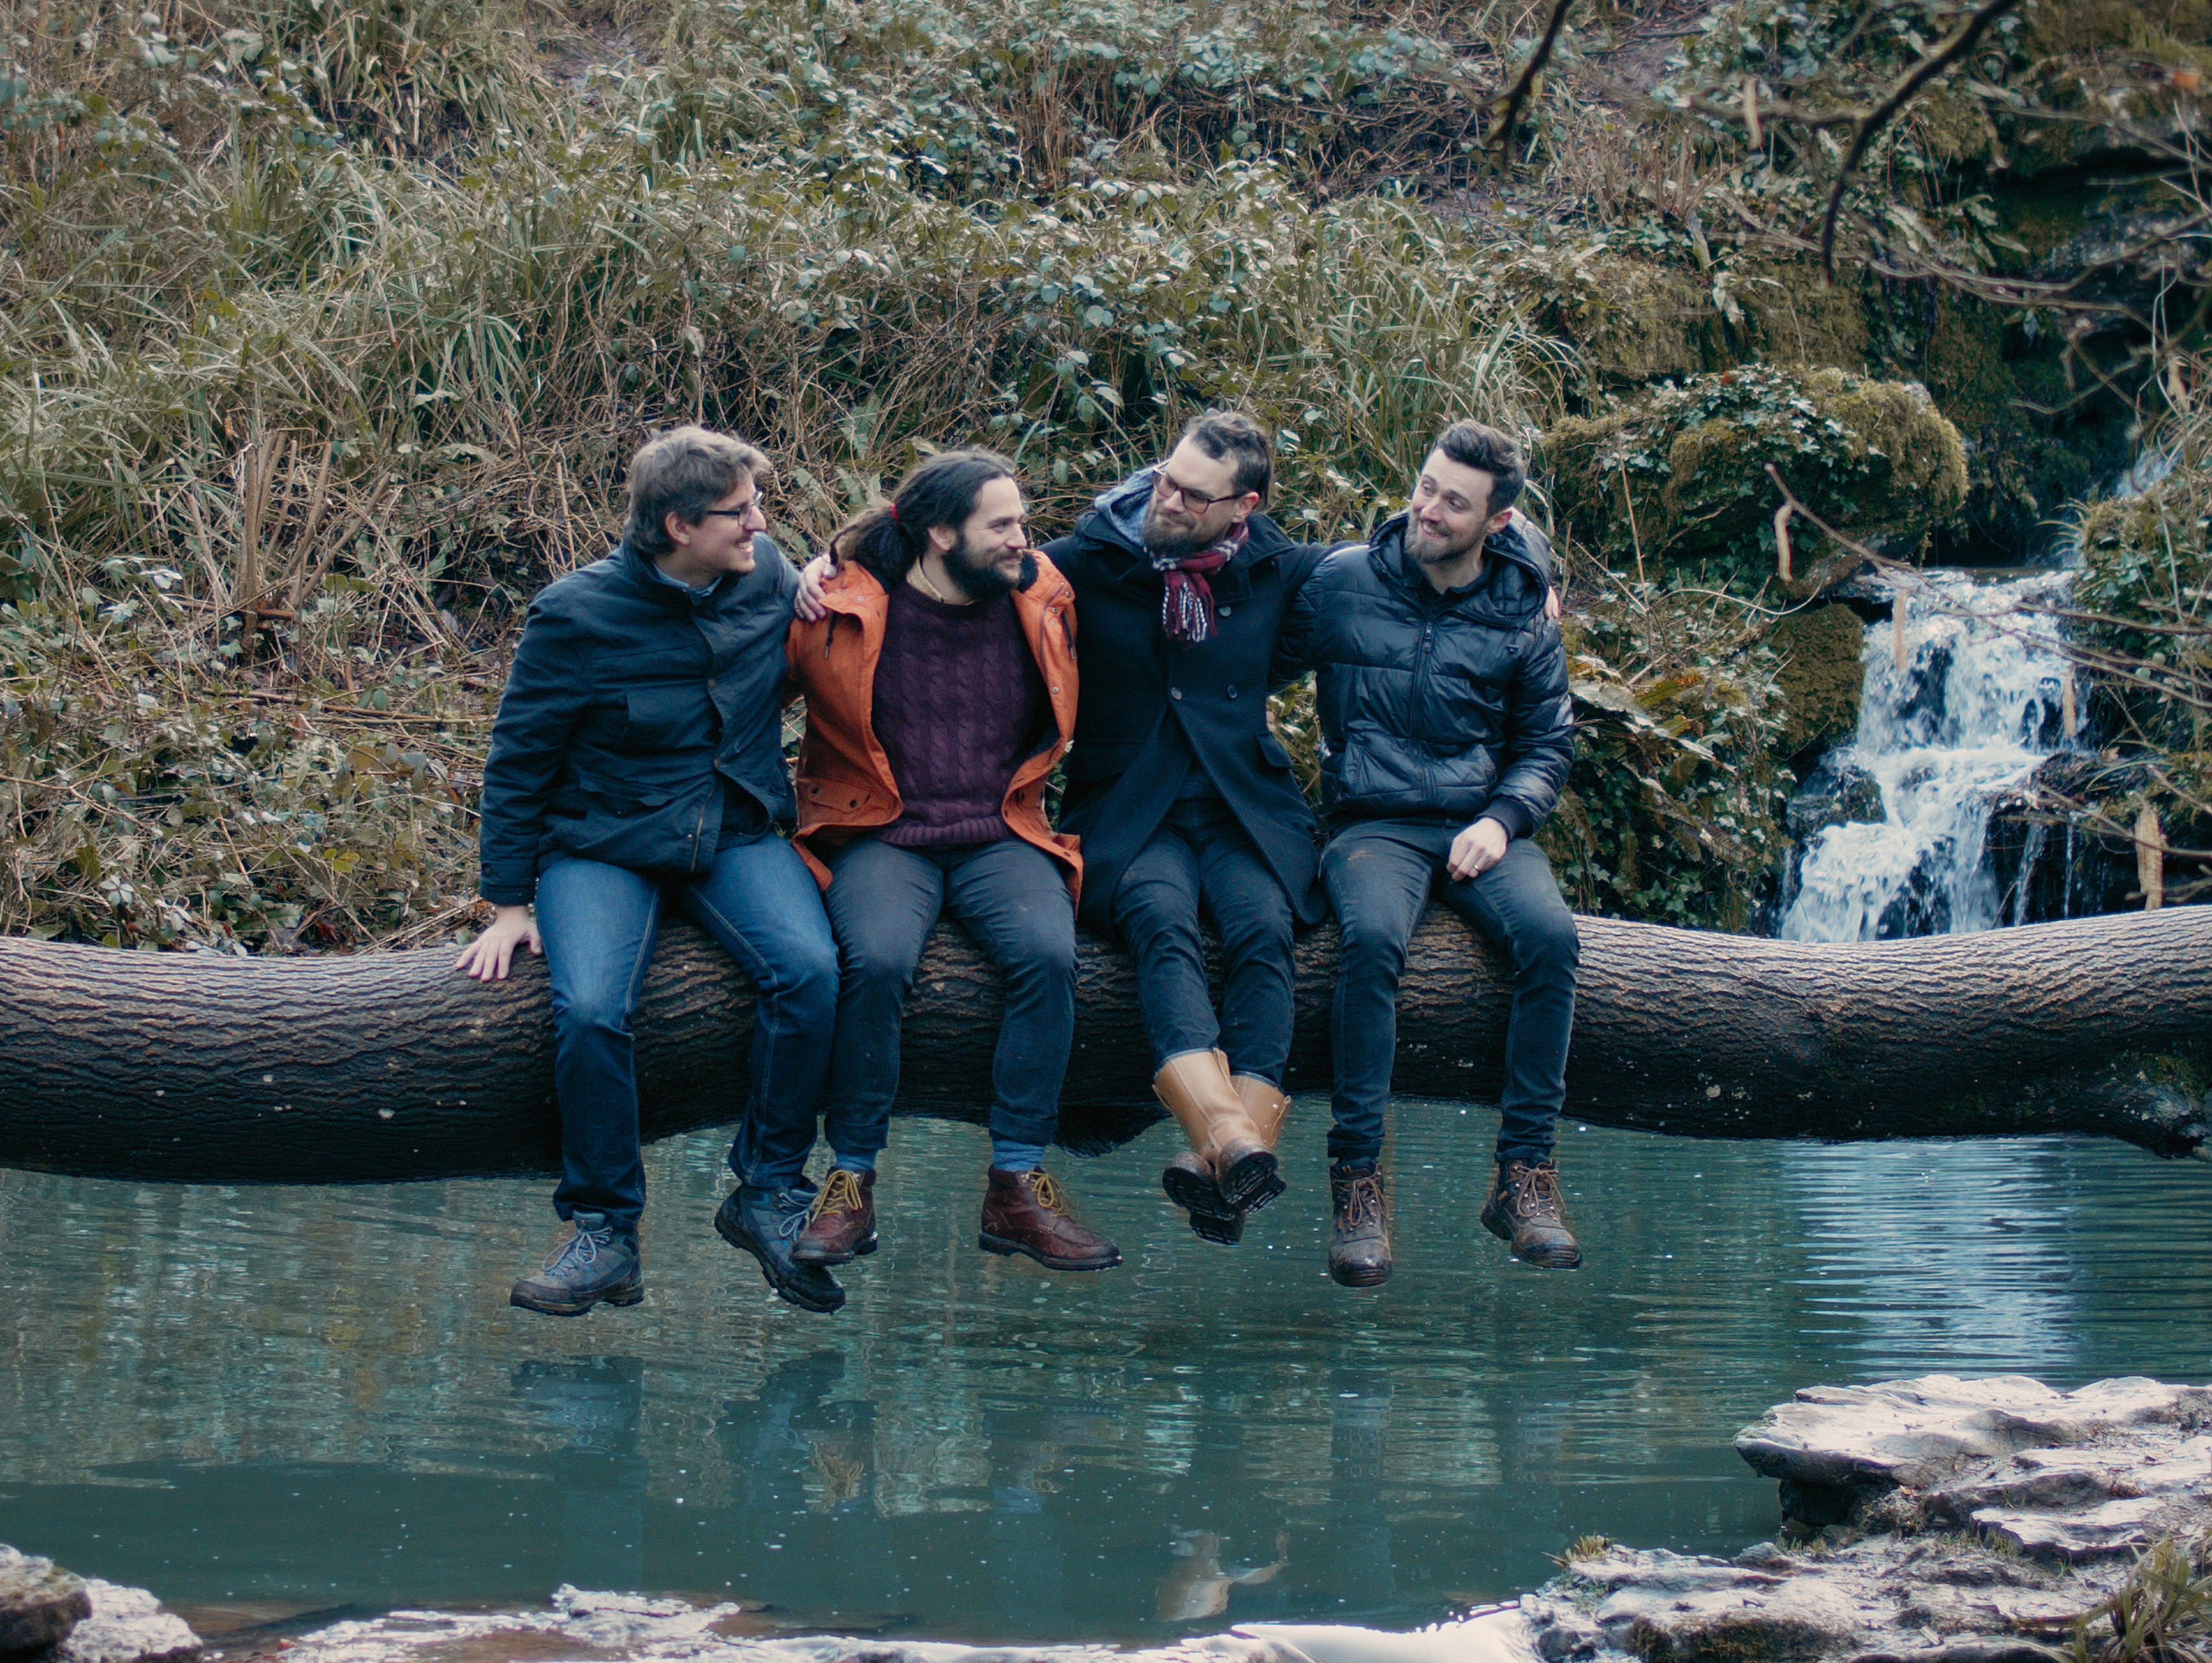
(383, 1067)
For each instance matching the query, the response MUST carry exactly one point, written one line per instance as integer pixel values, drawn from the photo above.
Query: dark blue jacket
(1151, 707)
(629, 704)
(1452, 705)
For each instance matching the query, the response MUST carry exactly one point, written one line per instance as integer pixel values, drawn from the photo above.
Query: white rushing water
(1976, 704)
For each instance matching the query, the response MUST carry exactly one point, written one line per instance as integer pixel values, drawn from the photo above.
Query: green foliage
(1676, 481)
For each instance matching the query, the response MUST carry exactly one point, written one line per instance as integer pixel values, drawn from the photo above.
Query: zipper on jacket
(1421, 695)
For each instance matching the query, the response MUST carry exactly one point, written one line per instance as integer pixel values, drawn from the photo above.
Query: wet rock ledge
(49, 1615)
(1929, 1521)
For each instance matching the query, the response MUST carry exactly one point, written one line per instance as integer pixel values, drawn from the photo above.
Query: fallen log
(166, 1066)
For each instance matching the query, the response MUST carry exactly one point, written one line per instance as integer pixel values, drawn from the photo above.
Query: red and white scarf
(1186, 602)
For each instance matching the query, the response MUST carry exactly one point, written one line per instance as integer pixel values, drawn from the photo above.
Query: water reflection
(283, 1400)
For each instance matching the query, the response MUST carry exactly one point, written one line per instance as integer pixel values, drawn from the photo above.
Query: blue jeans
(598, 923)
(884, 901)
(1379, 874)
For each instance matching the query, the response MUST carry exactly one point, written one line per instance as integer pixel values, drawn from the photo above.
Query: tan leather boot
(1196, 1089)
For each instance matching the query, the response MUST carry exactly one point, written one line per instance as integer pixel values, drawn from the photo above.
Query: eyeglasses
(1196, 501)
(745, 512)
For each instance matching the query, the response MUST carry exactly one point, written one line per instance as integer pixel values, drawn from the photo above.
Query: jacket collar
(1116, 521)
(653, 585)
(1510, 592)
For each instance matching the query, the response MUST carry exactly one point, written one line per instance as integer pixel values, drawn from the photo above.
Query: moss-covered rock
(1677, 480)
(1820, 674)
(1794, 317)
(1632, 320)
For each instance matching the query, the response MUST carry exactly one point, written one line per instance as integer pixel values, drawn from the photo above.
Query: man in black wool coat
(1185, 801)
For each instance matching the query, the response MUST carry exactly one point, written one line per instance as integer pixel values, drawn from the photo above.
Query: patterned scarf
(1186, 602)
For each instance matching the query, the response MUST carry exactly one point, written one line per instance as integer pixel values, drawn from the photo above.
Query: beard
(1436, 550)
(1170, 542)
(979, 574)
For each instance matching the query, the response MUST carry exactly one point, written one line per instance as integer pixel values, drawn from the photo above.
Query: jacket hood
(1117, 516)
(1510, 591)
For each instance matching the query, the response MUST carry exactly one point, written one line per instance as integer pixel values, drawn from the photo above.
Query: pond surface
(261, 1402)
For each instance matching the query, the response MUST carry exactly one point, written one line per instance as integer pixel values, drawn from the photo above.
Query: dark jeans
(598, 923)
(1379, 874)
(883, 903)
(1200, 857)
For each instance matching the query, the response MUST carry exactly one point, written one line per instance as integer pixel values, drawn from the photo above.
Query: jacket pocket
(1272, 752)
(647, 828)
(668, 715)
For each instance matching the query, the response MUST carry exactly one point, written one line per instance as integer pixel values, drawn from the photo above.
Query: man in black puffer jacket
(1446, 732)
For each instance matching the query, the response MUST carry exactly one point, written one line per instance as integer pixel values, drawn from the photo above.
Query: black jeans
(1201, 857)
(1379, 874)
(883, 903)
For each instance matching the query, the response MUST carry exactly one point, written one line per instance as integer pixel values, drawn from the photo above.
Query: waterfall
(1976, 704)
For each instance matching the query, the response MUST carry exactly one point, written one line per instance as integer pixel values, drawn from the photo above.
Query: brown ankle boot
(1527, 1211)
(1359, 1225)
(1189, 1182)
(844, 1222)
(1028, 1213)
(1196, 1089)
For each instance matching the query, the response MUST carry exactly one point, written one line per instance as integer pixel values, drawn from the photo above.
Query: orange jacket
(845, 783)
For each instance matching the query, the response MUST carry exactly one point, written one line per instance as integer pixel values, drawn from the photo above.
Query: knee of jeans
(865, 965)
(601, 1008)
(1365, 943)
(813, 981)
(1144, 912)
(1551, 943)
(1260, 930)
(1045, 953)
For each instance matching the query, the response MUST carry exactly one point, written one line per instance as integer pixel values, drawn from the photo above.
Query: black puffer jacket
(636, 717)
(1452, 705)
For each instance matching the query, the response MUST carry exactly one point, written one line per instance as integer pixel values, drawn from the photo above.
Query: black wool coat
(1454, 705)
(1149, 706)
(628, 705)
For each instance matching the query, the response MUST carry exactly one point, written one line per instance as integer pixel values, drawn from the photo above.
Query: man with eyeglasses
(637, 765)
(1183, 799)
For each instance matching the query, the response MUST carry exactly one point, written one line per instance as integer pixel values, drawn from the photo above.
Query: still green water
(290, 1399)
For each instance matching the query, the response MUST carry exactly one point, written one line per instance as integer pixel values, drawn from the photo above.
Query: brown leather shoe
(1527, 1211)
(1196, 1089)
(1359, 1225)
(1028, 1213)
(844, 1222)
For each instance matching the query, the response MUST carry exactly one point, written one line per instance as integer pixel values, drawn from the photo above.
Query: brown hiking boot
(1359, 1228)
(844, 1222)
(1028, 1213)
(1525, 1210)
(1196, 1089)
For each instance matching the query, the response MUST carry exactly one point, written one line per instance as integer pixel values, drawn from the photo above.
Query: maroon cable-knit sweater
(957, 701)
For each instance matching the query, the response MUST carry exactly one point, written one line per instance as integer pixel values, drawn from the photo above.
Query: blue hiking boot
(767, 1223)
(598, 1263)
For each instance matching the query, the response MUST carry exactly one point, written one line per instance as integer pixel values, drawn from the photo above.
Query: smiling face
(988, 553)
(722, 542)
(1451, 515)
(1195, 503)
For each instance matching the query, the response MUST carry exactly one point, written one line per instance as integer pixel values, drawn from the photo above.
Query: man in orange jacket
(940, 691)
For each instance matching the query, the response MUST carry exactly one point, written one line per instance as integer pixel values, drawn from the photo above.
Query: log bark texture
(384, 1067)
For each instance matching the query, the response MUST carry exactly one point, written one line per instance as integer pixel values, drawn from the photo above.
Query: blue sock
(854, 1163)
(1008, 1156)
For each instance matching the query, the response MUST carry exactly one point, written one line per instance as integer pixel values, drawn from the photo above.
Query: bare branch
(1533, 68)
(1900, 95)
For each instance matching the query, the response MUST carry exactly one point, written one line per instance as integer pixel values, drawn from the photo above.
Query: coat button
(1223, 611)
(1175, 692)
(1232, 690)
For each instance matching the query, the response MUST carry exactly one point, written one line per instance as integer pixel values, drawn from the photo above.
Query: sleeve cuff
(1513, 816)
(507, 894)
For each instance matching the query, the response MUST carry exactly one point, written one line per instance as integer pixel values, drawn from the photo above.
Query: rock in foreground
(53, 1617)
(39, 1603)
(1938, 1520)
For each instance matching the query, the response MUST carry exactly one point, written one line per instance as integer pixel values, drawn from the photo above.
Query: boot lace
(1534, 1192)
(1048, 1193)
(584, 1247)
(840, 1193)
(1363, 1200)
